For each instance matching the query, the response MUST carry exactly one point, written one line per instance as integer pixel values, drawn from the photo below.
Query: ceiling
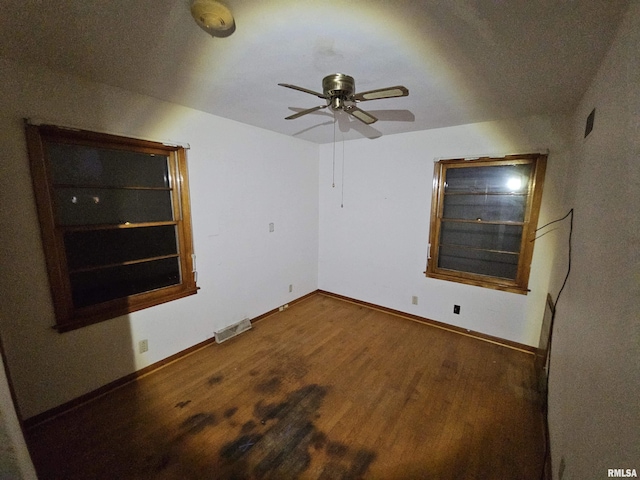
(463, 61)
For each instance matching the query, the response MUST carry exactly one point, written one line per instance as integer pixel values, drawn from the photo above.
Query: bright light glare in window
(514, 183)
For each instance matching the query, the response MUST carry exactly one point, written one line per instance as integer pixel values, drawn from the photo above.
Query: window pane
(494, 179)
(490, 237)
(105, 247)
(94, 206)
(508, 208)
(83, 165)
(96, 286)
(502, 265)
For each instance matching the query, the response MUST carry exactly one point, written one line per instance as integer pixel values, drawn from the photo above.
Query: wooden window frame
(69, 317)
(532, 209)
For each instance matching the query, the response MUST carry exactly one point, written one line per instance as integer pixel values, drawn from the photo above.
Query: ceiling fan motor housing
(338, 88)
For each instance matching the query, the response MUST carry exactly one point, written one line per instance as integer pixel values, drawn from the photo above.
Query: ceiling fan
(339, 91)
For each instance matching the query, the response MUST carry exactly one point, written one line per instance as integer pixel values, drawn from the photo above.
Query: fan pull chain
(342, 199)
(333, 183)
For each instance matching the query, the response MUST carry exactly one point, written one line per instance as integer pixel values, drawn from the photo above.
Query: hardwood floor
(323, 390)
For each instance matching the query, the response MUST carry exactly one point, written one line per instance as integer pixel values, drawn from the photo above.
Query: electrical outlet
(456, 309)
(414, 300)
(290, 287)
(143, 346)
(271, 227)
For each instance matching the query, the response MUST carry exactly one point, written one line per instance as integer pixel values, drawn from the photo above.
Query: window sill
(84, 319)
(480, 282)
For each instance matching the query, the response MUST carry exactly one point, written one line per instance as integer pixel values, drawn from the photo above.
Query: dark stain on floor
(230, 412)
(197, 423)
(169, 452)
(183, 404)
(248, 427)
(215, 379)
(319, 440)
(270, 386)
(239, 447)
(352, 467)
(362, 460)
(292, 457)
(282, 444)
(337, 449)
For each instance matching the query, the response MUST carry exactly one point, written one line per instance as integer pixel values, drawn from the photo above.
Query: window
(483, 219)
(115, 220)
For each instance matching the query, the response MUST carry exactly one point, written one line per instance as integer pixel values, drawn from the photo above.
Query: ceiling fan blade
(304, 112)
(393, 115)
(361, 115)
(389, 92)
(301, 89)
(324, 114)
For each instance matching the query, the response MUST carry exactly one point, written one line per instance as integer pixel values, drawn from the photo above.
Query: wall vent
(232, 330)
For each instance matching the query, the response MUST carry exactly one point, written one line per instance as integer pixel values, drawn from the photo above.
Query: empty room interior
(329, 240)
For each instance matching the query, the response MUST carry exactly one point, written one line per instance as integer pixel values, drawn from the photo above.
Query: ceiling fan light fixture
(212, 16)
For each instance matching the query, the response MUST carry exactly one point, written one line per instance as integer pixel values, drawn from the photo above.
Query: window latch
(193, 267)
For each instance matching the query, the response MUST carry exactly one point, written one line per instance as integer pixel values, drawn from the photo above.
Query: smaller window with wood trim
(484, 214)
(115, 220)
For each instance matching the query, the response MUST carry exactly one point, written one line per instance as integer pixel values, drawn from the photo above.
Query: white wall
(242, 178)
(594, 413)
(15, 463)
(375, 247)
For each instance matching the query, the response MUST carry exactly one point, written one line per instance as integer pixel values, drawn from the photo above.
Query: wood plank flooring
(323, 390)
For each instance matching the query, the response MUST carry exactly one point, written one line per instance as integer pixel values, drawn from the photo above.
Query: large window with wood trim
(115, 220)
(483, 218)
